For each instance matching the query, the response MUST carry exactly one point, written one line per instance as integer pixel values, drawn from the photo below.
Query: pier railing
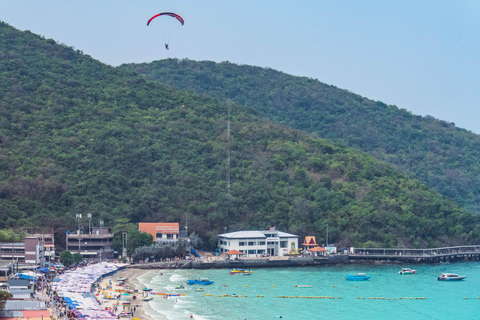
(415, 252)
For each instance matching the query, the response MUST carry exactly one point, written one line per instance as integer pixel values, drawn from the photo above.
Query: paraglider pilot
(166, 46)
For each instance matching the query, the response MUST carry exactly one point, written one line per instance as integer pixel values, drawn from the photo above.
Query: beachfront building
(31, 250)
(162, 232)
(259, 243)
(98, 245)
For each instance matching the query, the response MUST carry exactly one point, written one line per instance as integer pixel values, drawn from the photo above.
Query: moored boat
(407, 271)
(201, 281)
(357, 277)
(122, 279)
(303, 286)
(147, 289)
(149, 298)
(450, 277)
(241, 271)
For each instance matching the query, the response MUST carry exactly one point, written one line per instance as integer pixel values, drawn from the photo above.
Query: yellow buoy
(246, 286)
(333, 286)
(358, 298)
(273, 285)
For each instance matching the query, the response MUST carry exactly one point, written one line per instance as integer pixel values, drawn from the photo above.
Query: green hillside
(438, 153)
(78, 136)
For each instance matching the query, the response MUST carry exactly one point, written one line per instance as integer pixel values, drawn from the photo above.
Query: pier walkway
(432, 255)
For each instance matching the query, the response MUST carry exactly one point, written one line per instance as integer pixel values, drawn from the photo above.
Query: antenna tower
(229, 110)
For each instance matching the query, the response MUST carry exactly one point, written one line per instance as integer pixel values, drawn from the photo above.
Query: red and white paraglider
(167, 24)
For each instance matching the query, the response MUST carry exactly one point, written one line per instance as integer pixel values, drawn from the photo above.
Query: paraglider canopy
(170, 14)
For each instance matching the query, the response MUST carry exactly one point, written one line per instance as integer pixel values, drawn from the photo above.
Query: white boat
(122, 279)
(407, 271)
(149, 298)
(450, 277)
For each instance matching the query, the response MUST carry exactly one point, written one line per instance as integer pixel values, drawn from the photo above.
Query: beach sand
(138, 304)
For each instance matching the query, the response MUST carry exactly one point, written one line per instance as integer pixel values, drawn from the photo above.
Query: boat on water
(179, 287)
(149, 298)
(450, 277)
(147, 289)
(303, 286)
(241, 271)
(201, 281)
(122, 279)
(199, 290)
(407, 271)
(357, 277)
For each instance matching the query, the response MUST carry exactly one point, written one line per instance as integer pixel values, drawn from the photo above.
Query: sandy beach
(109, 286)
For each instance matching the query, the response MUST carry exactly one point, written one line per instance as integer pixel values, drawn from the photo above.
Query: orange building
(162, 232)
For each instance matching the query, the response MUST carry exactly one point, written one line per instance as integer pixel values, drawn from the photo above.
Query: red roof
(317, 249)
(233, 252)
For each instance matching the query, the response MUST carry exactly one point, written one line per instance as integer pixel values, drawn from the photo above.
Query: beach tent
(234, 253)
(319, 251)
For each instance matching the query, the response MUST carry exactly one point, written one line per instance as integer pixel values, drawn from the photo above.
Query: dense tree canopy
(80, 136)
(436, 152)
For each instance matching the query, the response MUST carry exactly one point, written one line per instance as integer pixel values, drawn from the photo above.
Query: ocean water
(443, 299)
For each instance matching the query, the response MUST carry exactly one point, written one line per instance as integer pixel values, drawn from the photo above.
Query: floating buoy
(273, 285)
(333, 286)
(245, 285)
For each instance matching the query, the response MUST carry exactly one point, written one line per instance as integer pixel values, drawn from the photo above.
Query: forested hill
(443, 156)
(78, 136)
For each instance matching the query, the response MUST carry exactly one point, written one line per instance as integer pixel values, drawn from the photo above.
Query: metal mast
(229, 110)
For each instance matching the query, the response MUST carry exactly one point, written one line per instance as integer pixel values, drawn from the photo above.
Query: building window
(169, 236)
(260, 251)
(261, 243)
(241, 244)
(251, 251)
(251, 243)
(159, 235)
(283, 244)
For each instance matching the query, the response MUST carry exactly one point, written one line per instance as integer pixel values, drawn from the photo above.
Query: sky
(422, 56)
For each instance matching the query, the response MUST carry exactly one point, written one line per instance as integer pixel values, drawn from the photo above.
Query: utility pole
(229, 110)
(79, 218)
(89, 223)
(327, 236)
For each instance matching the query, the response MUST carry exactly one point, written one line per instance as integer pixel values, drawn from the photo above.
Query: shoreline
(134, 284)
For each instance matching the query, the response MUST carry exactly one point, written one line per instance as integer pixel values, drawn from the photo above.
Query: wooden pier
(432, 255)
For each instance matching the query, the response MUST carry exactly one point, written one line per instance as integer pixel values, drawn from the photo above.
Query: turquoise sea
(443, 300)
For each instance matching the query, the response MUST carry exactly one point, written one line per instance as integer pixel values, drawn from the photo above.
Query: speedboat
(122, 279)
(450, 277)
(179, 287)
(357, 277)
(149, 298)
(407, 271)
(241, 271)
(199, 290)
(147, 289)
(303, 286)
(202, 281)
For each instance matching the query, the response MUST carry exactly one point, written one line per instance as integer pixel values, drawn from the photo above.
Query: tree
(77, 258)
(4, 295)
(66, 258)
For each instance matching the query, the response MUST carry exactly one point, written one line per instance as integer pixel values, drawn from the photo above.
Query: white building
(257, 243)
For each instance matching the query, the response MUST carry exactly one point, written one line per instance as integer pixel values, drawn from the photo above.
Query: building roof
(243, 234)
(318, 249)
(256, 234)
(18, 283)
(20, 305)
(309, 241)
(27, 315)
(162, 227)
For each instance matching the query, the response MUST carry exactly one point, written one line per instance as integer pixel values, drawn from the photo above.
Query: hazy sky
(422, 56)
